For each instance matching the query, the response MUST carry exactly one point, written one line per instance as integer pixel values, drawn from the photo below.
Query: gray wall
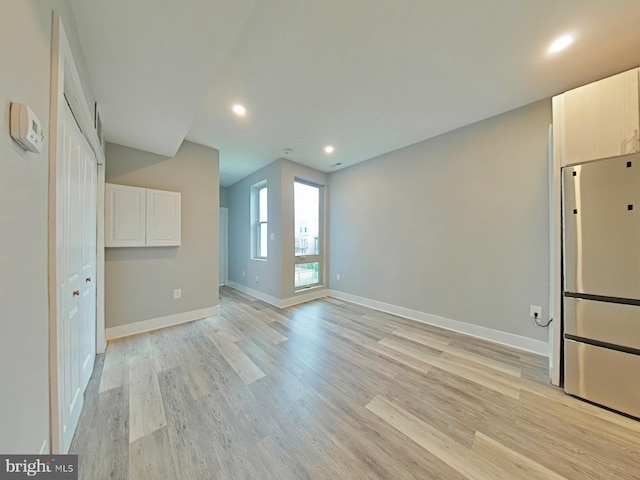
(25, 58)
(269, 271)
(139, 282)
(291, 171)
(455, 226)
(223, 197)
(276, 274)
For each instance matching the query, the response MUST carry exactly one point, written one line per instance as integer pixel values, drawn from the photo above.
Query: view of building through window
(307, 234)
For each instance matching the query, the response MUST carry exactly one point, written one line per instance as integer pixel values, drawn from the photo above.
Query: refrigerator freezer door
(613, 323)
(601, 222)
(604, 376)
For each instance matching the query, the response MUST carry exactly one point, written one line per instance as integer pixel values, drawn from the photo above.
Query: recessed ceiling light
(328, 149)
(561, 43)
(239, 110)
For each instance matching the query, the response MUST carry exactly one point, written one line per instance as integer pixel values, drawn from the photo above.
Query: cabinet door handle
(87, 280)
(76, 293)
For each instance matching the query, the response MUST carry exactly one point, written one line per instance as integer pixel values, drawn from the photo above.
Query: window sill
(260, 259)
(309, 289)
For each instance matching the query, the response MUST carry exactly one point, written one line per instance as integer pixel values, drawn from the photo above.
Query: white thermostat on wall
(26, 129)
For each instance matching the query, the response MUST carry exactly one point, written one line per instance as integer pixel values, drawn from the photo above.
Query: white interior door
(76, 268)
(223, 258)
(89, 251)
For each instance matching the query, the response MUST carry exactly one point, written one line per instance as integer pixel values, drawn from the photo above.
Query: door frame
(224, 221)
(556, 160)
(65, 80)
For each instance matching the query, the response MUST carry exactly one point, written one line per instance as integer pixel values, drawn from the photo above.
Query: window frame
(257, 222)
(311, 258)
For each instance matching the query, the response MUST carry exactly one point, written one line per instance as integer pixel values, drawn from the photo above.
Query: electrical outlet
(256, 278)
(535, 309)
(177, 293)
(337, 276)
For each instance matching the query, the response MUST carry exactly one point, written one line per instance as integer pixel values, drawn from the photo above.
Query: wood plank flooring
(334, 390)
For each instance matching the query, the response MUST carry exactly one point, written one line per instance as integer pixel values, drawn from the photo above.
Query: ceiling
(366, 76)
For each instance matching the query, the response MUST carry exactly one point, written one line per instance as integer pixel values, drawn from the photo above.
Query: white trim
(314, 294)
(516, 341)
(510, 339)
(281, 303)
(101, 338)
(555, 240)
(43, 448)
(255, 293)
(161, 322)
(224, 219)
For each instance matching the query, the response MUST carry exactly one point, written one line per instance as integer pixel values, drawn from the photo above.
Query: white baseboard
(255, 293)
(161, 322)
(101, 347)
(512, 340)
(312, 294)
(281, 302)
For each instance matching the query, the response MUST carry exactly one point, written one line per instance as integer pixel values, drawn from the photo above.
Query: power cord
(535, 319)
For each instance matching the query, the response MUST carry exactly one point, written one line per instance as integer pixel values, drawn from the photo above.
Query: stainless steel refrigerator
(601, 257)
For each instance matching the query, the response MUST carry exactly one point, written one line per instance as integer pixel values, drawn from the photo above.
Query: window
(307, 274)
(260, 235)
(307, 235)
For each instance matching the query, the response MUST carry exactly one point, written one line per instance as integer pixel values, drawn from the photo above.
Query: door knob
(76, 293)
(87, 280)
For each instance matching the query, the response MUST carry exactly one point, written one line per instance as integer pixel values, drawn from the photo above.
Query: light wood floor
(331, 390)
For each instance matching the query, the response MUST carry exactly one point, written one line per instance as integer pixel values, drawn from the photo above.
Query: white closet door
(89, 251)
(76, 178)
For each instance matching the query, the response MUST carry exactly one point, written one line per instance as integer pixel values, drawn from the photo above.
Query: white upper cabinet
(599, 120)
(125, 216)
(163, 218)
(141, 217)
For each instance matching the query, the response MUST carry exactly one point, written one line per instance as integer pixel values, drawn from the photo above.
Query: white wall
(456, 226)
(139, 282)
(25, 58)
